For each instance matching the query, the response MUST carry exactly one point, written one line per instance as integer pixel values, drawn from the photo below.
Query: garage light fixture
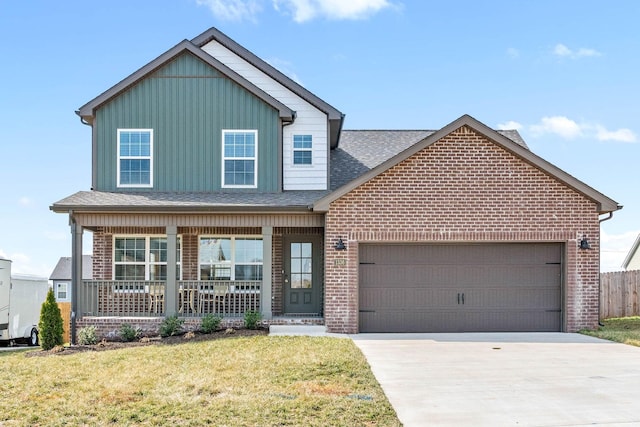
(340, 246)
(584, 243)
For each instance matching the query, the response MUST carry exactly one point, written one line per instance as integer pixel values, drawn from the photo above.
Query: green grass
(625, 330)
(256, 381)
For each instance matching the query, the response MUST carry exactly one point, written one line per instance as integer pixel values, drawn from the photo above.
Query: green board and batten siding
(187, 103)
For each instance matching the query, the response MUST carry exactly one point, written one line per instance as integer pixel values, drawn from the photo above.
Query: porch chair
(156, 298)
(216, 293)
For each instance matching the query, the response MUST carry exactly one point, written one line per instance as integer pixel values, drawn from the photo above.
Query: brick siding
(462, 188)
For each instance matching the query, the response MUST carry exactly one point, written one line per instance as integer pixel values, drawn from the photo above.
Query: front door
(302, 275)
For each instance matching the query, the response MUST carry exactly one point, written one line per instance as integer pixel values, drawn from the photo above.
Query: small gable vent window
(302, 145)
(135, 157)
(239, 158)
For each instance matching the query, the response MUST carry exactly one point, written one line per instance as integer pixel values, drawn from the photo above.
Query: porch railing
(132, 298)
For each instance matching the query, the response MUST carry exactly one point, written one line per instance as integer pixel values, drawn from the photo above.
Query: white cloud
(509, 125)
(558, 125)
(621, 135)
(25, 201)
(513, 52)
(614, 249)
(233, 10)
(564, 52)
(306, 10)
(570, 129)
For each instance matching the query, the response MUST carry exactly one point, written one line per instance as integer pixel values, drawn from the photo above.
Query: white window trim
(147, 253)
(66, 291)
(232, 262)
(293, 150)
(255, 158)
(150, 185)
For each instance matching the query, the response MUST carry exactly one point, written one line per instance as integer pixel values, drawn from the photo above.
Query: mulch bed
(176, 339)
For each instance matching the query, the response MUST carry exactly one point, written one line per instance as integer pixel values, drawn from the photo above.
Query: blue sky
(564, 73)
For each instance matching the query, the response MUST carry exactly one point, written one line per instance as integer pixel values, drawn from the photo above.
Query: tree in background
(51, 331)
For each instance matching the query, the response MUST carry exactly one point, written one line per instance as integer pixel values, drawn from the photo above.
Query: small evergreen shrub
(87, 335)
(210, 323)
(50, 324)
(170, 326)
(128, 333)
(251, 319)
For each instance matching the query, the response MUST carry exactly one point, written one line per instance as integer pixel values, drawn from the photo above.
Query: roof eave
(604, 203)
(178, 209)
(87, 111)
(334, 115)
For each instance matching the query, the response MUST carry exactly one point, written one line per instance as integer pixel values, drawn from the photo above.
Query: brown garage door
(460, 288)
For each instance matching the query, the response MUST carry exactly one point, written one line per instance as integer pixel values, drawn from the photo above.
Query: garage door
(460, 288)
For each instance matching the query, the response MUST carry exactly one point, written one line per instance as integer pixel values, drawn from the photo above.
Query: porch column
(171, 292)
(267, 262)
(77, 289)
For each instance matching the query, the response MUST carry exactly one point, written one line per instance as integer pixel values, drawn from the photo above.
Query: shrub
(50, 324)
(251, 319)
(210, 323)
(87, 335)
(170, 326)
(128, 333)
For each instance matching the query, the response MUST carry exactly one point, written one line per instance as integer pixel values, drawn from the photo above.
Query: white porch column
(267, 262)
(76, 276)
(171, 293)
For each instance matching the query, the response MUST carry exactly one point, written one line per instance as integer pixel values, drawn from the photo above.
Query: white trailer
(21, 299)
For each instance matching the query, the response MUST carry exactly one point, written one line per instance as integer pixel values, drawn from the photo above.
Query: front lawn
(244, 381)
(625, 330)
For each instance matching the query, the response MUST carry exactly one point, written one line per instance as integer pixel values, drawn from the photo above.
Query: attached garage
(495, 287)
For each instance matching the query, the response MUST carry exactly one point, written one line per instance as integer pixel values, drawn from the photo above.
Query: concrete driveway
(506, 379)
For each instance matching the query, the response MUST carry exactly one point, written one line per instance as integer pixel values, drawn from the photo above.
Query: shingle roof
(362, 150)
(62, 271)
(114, 201)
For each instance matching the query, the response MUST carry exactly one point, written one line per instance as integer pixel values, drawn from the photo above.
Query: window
(302, 145)
(135, 165)
(239, 158)
(61, 291)
(142, 258)
(230, 258)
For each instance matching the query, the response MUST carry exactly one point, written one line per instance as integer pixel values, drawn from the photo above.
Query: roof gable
(336, 118)
(632, 253)
(604, 203)
(87, 111)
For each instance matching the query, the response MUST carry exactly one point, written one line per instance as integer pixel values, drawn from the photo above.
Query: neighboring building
(61, 277)
(220, 185)
(632, 261)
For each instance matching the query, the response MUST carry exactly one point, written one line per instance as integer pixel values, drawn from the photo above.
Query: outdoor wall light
(340, 246)
(584, 243)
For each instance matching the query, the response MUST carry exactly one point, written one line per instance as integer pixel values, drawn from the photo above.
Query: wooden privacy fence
(620, 294)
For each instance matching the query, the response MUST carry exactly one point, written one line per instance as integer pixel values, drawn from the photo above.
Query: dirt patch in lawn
(176, 339)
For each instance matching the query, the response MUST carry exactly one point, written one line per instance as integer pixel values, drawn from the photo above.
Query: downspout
(600, 221)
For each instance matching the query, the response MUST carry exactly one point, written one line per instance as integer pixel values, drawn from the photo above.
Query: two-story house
(220, 185)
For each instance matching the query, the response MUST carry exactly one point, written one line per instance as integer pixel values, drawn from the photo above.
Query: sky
(563, 73)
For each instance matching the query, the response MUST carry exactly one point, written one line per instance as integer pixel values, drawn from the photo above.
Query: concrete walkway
(538, 379)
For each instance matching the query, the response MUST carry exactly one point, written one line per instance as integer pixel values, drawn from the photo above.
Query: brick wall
(462, 188)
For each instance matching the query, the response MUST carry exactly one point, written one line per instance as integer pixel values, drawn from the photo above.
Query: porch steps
(308, 330)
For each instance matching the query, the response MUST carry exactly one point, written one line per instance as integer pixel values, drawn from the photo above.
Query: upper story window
(135, 157)
(302, 146)
(239, 158)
